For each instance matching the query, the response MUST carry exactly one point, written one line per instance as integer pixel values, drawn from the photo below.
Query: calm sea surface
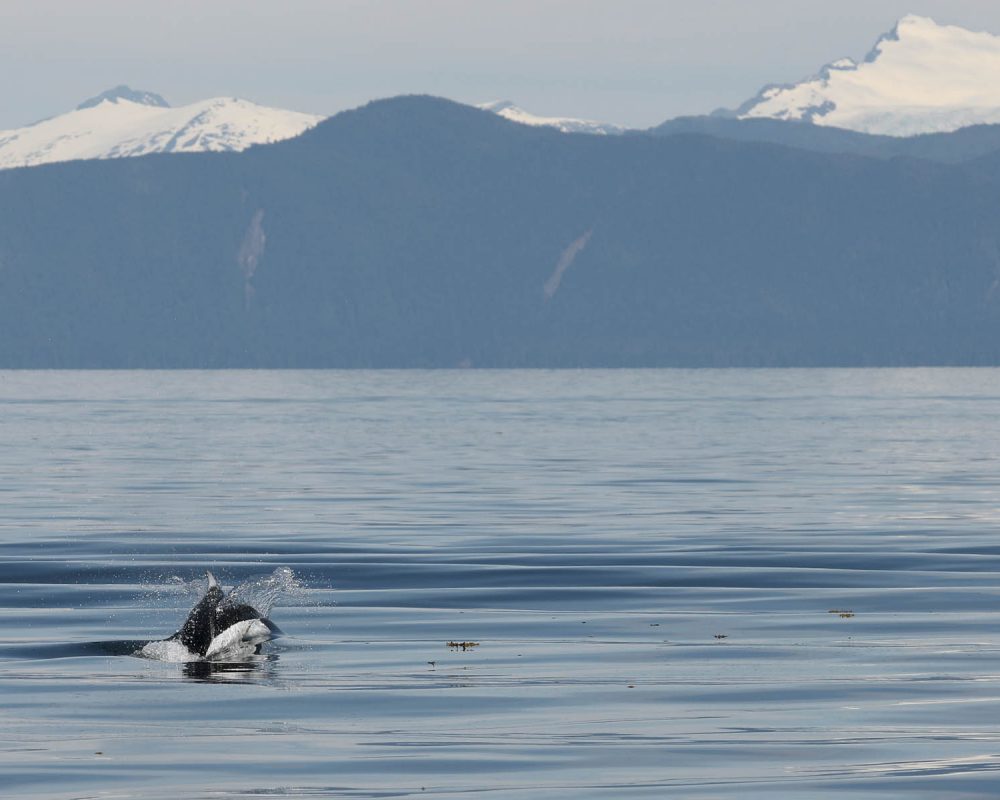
(706, 584)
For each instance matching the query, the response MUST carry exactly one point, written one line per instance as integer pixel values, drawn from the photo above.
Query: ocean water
(705, 584)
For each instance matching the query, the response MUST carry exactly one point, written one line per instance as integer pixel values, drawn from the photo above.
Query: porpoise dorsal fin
(212, 582)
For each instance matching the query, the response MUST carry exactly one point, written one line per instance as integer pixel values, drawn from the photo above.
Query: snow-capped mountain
(123, 122)
(921, 77)
(508, 110)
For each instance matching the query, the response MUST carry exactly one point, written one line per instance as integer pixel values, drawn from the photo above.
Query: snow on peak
(499, 106)
(921, 77)
(124, 92)
(122, 122)
(507, 110)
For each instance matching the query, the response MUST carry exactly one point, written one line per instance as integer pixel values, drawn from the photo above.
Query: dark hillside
(948, 148)
(418, 232)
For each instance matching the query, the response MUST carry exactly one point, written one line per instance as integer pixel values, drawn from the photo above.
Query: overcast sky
(635, 62)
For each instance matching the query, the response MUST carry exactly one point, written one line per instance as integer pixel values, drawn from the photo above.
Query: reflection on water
(259, 669)
(708, 584)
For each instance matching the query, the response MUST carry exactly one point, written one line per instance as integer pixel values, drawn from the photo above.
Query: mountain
(508, 110)
(122, 92)
(416, 232)
(921, 77)
(955, 147)
(124, 122)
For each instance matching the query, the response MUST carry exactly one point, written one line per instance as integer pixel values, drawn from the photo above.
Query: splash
(193, 589)
(260, 593)
(171, 652)
(264, 593)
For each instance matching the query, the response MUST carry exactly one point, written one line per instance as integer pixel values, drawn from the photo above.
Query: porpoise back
(211, 627)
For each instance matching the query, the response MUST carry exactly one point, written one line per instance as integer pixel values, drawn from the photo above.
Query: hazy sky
(636, 62)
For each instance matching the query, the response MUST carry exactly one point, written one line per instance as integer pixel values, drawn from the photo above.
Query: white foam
(168, 650)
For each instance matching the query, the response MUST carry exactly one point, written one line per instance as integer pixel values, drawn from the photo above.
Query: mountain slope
(123, 122)
(417, 232)
(919, 78)
(955, 147)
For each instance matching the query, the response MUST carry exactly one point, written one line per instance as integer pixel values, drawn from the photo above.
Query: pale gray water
(593, 531)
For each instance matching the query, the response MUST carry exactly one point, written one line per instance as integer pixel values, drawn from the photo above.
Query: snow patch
(116, 126)
(921, 77)
(508, 110)
(566, 260)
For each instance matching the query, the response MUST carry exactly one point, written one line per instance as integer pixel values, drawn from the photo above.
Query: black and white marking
(217, 629)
